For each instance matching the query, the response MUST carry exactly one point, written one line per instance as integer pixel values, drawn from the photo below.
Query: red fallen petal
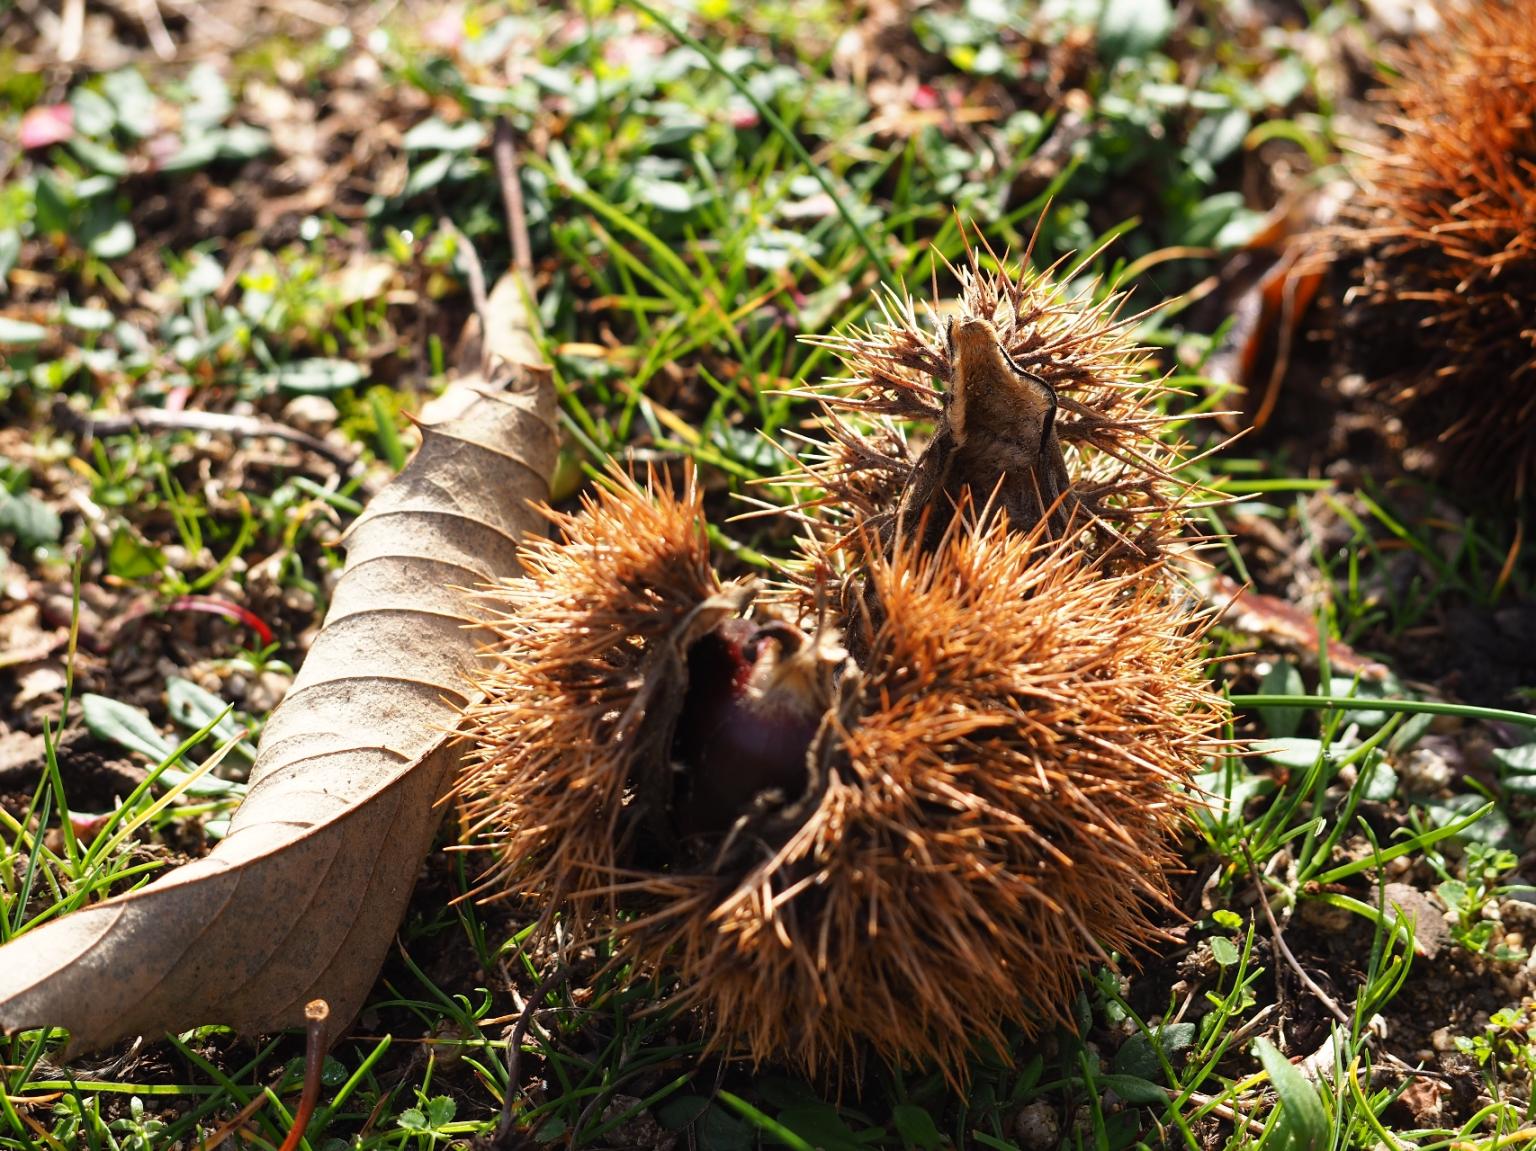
(47, 124)
(87, 827)
(926, 97)
(213, 606)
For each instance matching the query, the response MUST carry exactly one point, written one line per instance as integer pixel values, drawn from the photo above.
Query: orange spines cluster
(1447, 224)
(975, 805)
(1072, 337)
(588, 657)
(1000, 782)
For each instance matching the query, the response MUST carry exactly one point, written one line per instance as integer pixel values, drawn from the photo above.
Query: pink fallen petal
(445, 31)
(47, 124)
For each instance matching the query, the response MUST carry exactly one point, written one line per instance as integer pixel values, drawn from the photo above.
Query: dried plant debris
(1442, 311)
(910, 846)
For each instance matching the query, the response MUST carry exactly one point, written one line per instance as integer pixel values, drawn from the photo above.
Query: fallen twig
(159, 419)
(504, 151)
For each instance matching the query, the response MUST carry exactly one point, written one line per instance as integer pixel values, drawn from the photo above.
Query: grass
(707, 198)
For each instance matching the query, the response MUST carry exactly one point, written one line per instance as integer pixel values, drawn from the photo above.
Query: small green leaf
(135, 103)
(100, 157)
(94, 114)
(125, 726)
(196, 152)
(1138, 1055)
(1517, 760)
(1134, 1089)
(820, 1125)
(243, 142)
(113, 241)
(916, 1127)
(1282, 679)
(1303, 1122)
(1224, 951)
(312, 376)
(203, 277)
(211, 104)
(29, 519)
(20, 333)
(51, 205)
(1133, 27)
(425, 177)
(436, 134)
(681, 1111)
(129, 558)
(719, 1131)
(87, 319)
(194, 708)
(1293, 752)
(667, 195)
(411, 1119)
(10, 250)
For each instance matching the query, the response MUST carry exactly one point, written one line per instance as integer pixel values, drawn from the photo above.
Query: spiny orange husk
(1445, 297)
(991, 810)
(1126, 495)
(584, 657)
(990, 791)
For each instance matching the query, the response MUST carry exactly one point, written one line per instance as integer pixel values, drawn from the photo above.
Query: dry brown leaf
(303, 897)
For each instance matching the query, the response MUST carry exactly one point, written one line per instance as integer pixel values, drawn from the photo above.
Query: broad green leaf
(425, 177)
(1303, 1121)
(1138, 1054)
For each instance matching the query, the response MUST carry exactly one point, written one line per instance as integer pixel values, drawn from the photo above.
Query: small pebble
(1423, 772)
(1037, 1128)
(313, 414)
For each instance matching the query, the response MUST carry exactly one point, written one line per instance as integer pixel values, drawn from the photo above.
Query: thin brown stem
(507, 1126)
(316, 1012)
(504, 152)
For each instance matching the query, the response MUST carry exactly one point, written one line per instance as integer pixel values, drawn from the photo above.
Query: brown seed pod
(1043, 398)
(1442, 312)
(979, 809)
(989, 806)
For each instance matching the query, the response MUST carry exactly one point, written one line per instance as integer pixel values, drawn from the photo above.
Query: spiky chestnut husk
(986, 799)
(991, 802)
(1069, 344)
(1442, 312)
(593, 640)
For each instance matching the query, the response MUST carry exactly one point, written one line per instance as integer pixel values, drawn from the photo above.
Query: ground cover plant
(241, 247)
